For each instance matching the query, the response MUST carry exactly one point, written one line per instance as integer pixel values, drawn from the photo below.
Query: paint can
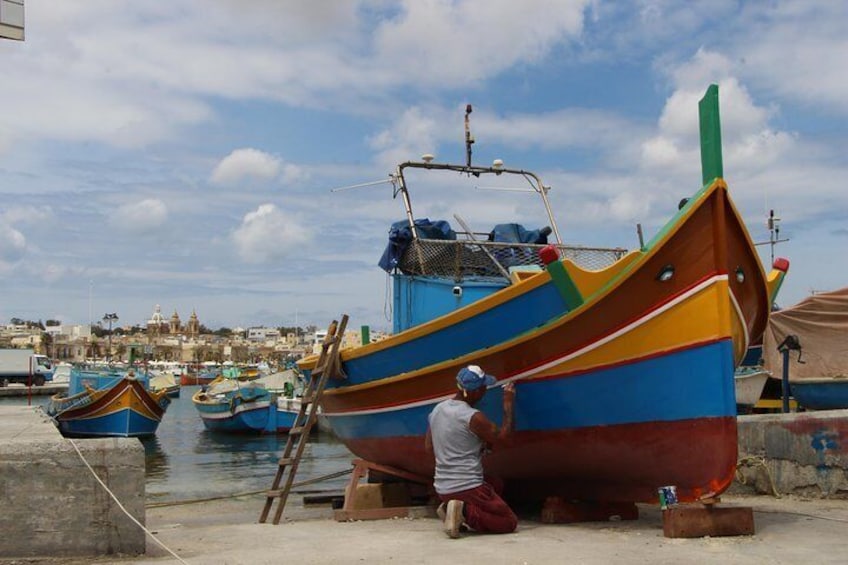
(668, 496)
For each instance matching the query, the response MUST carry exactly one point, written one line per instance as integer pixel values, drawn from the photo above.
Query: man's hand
(508, 405)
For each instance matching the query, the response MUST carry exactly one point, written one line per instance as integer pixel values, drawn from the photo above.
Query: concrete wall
(51, 505)
(800, 453)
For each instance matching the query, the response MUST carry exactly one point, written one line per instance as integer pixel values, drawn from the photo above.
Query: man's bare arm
(486, 430)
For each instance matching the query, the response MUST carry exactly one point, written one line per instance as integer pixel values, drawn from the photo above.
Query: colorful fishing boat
(108, 404)
(246, 406)
(623, 361)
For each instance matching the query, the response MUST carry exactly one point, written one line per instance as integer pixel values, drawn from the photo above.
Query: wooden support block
(378, 495)
(557, 510)
(695, 521)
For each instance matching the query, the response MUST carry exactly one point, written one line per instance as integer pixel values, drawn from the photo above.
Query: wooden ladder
(328, 365)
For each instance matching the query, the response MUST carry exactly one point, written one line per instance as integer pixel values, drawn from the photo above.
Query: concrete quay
(52, 504)
(18, 389)
(58, 515)
(788, 530)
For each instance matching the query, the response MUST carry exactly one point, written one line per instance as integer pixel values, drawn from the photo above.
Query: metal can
(668, 496)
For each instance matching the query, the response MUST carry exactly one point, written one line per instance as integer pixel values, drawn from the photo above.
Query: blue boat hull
(126, 423)
(122, 407)
(821, 395)
(263, 416)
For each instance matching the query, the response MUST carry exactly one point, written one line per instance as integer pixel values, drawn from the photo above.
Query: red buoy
(548, 254)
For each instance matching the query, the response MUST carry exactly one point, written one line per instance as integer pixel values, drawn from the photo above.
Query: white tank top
(458, 450)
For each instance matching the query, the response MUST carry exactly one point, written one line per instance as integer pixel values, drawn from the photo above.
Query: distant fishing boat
(167, 381)
(200, 377)
(108, 404)
(247, 406)
(623, 361)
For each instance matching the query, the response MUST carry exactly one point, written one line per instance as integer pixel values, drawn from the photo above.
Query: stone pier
(51, 503)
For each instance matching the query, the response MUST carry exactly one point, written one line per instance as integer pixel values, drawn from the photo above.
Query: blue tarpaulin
(515, 233)
(400, 235)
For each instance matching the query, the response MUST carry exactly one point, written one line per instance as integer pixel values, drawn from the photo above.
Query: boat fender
(560, 277)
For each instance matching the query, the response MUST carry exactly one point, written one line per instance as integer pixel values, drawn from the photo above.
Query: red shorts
(485, 511)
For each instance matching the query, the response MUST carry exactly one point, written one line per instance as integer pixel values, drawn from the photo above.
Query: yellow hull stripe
(708, 309)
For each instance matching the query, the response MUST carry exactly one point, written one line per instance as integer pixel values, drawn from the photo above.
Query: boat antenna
(469, 139)
(773, 224)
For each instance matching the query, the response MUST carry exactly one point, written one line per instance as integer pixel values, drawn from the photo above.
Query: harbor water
(184, 461)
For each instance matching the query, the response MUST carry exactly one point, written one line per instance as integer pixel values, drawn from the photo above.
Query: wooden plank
(696, 521)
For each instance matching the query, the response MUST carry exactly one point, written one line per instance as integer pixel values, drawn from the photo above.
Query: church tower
(193, 325)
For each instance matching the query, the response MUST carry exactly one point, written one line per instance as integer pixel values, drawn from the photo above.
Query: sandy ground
(788, 530)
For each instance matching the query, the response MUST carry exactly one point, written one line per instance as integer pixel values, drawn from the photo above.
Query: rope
(121, 506)
(752, 461)
(249, 493)
(804, 514)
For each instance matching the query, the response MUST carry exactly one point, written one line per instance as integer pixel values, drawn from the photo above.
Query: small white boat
(750, 382)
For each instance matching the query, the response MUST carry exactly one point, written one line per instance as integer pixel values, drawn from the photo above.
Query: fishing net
(460, 259)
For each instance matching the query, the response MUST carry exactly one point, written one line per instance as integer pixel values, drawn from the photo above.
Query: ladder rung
(307, 398)
(297, 430)
(275, 493)
(286, 461)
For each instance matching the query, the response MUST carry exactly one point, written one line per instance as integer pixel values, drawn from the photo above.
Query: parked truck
(19, 365)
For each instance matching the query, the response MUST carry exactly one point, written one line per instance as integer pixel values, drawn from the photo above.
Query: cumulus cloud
(12, 243)
(139, 217)
(411, 135)
(244, 164)
(267, 234)
(450, 43)
(27, 214)
(748, 140)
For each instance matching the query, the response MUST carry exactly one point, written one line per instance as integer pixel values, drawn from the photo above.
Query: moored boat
(165, 380)
(246, 406)
(623, 367)
(108, 404)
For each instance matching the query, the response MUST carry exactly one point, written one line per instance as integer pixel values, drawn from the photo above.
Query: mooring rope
(756, 461)
(121, 506)
(249, 493)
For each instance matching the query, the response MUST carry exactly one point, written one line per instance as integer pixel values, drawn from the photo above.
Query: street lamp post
(109, 318)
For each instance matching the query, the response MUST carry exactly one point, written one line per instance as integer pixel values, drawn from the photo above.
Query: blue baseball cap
(472, 377)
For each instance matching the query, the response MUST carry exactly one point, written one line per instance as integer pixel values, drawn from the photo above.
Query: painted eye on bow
(666, 273)
(740, 275)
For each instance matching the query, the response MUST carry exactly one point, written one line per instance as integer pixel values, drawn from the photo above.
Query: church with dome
(158, 325)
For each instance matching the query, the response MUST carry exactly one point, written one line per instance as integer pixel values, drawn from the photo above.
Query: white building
(263, 334)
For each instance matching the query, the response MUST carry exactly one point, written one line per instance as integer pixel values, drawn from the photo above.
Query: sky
(184, 153)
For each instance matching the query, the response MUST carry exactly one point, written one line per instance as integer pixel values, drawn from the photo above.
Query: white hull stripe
(263, 405)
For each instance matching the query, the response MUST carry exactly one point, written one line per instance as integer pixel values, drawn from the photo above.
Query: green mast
(711, 165)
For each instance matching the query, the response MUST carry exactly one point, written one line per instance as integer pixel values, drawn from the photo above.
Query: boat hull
(821, 395)
(126, 409)
(749, 386)
(266, 415)
(630, 391)
(564, 434)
